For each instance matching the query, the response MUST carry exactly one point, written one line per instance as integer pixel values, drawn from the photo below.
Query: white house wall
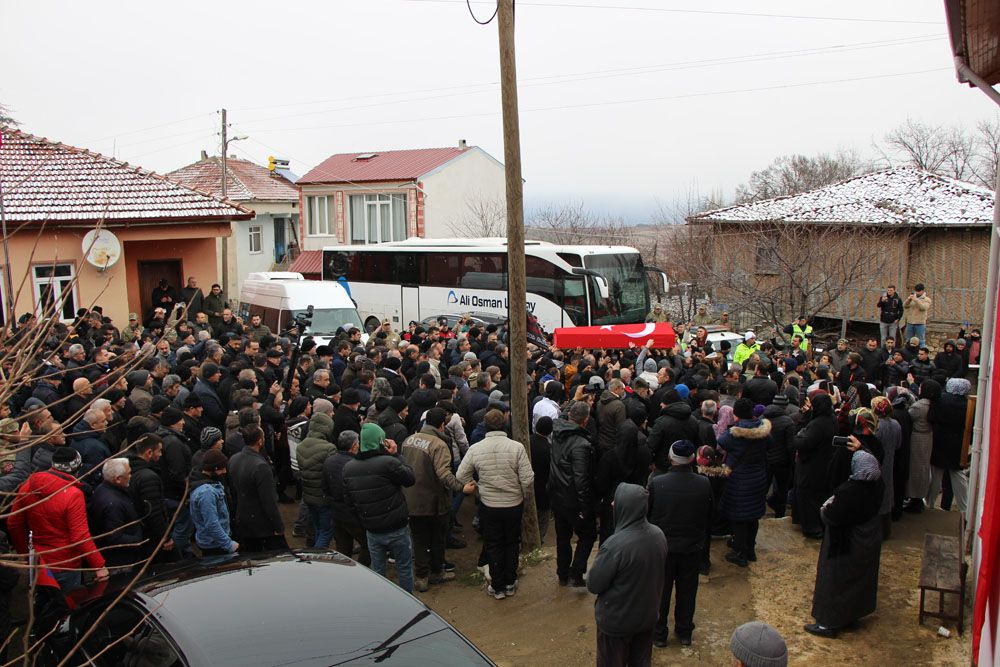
(449, 190)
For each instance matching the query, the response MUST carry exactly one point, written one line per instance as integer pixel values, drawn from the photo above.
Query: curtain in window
(384, 218)
(399, 217)
(372, 212)
(357, 218)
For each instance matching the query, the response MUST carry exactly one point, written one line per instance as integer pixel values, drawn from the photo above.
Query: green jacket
(311, 454)
(744, 352)
(213, 306)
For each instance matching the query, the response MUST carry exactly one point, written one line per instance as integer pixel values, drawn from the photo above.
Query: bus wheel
(371, 324)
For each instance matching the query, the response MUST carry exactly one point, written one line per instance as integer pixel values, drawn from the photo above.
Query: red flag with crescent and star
(615, 336)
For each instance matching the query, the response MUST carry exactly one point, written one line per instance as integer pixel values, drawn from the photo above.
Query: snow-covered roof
(898, 196)
(47, 181)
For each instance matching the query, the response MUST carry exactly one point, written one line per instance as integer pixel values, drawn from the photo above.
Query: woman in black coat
(813, 447)
(948, 417)
(746, 444)
(901, 399)
(847, 572)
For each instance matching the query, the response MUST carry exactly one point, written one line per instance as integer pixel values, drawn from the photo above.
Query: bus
(567, 285)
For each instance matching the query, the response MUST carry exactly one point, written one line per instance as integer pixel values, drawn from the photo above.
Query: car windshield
(628, 296)
(328, 320)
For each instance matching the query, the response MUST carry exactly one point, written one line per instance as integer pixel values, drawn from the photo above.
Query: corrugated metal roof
(309, 261)
(406, 165)
(246, 181)
(899, 196)
(47, 181)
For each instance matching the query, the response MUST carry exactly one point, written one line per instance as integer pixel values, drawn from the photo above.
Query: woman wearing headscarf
(921, 445)
(901, 399)
(813, 447)
(746, 444)
(947, 418)
(861, 424)
(847, 572)
(723, 421)
(890, 436)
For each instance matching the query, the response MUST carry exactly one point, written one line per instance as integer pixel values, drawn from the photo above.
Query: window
(318, 212)
(125, 636)
(766, 259)
(255, 239)
(378, 218)
(55, 290)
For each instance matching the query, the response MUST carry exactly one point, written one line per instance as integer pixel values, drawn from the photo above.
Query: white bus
(567, 285)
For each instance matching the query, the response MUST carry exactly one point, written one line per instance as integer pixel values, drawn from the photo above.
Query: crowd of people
(181, 433)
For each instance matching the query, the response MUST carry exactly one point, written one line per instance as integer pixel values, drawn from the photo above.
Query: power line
(670, 10)
(145, 129)
(476, 19)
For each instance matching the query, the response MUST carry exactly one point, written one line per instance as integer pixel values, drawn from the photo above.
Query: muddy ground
(545, 624)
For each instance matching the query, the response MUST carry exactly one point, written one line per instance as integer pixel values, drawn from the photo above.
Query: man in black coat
(346, 418)
(627, 577)
(675, 422)
(112, 516)
(347, 528)
(873, 358)
(258, 522)
(373, 487)
(571, 494)
(146, 488)
(175, 467)
(680, 504)
(760, 389)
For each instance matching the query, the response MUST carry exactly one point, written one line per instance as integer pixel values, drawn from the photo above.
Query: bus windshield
(628, 296)
(326, 321)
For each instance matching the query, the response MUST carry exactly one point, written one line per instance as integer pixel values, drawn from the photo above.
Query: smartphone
(840, 441)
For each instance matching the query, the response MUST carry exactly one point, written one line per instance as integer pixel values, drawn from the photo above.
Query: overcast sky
(624, 103)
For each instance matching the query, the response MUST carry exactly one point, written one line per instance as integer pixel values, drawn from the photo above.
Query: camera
(840, 441)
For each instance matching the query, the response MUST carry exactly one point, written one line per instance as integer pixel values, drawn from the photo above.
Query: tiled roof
(382, 166)
(246, 181)
(46, 181)
(899, 196)
(309, 261)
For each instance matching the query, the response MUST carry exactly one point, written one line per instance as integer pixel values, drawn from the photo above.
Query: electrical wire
(468, 4)
(146, 129)
(708, 12)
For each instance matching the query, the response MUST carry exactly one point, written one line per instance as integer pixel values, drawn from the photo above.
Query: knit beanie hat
(66, 459)
(743, 409)
(758, 410)
(372, 436)
(397, 404)
(544, 426)
(209, 436)
(757, 644)
(158, 404)
(682, 452)
(683, 391)
(779, 399)
(171, 416)
(214, 460)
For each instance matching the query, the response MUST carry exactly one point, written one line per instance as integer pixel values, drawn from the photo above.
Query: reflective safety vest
(807, 331)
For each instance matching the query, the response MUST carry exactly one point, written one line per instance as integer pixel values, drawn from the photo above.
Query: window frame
(258, 231)
(374, 204)
(37, 283)
(313, 218)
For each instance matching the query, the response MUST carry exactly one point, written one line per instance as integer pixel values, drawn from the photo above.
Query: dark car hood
(302, 609)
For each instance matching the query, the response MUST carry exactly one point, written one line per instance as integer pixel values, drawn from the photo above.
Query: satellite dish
(101, 248)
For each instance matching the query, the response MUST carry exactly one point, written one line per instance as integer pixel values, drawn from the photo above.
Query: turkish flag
(613, 336)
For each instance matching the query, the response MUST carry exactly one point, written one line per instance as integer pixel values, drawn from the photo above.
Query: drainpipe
(989, 318)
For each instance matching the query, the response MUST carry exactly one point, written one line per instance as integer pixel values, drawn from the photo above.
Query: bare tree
(483, 218)
(7, 117)
(791, 174)
(966, 155)
(571, 224)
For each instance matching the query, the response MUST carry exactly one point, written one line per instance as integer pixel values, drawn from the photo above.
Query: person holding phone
(917, 308)
(890, 308)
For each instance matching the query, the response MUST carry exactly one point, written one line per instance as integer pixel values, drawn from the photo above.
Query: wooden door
(150, 273)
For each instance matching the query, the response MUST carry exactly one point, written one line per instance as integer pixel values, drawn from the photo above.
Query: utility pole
(225, 239)
(516, 299)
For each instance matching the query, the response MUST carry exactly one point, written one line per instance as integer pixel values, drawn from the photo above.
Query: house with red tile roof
(85, 229)
(382, 196)
(268, 240)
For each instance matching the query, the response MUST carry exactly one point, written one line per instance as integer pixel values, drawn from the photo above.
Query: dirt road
(545, 624)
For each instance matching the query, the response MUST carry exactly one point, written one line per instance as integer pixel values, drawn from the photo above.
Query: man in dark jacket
(258, 522)
(949, 360)
(890, 308)
(674, 423)
(347, 528)
(393, 419)
(610, 415)
(175, 468)
(113, 518)
(346, 416)
(627, 577)
(373, 488)
(422, 400)
(760, 389)
(779, 453)
(390, 371)
(873, 358)
(571, 494)
(146, 488)
(214, 413)
(680, 504)
(311, 454)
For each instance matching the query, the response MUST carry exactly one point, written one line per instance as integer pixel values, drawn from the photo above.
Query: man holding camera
(890, 311)
(917, 306)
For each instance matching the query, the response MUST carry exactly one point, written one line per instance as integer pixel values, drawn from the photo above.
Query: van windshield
(326, 321)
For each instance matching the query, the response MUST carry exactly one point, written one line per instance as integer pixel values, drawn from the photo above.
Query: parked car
(293, 608)
(478, 319)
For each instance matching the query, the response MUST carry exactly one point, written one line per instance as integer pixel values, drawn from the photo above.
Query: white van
(278, 296)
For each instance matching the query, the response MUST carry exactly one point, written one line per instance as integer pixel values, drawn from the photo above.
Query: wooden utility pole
(516, 299)
(225, 239)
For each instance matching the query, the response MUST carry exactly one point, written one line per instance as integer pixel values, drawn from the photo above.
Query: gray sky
(622, 105)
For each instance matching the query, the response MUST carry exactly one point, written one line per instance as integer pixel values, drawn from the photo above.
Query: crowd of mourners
(182, 432)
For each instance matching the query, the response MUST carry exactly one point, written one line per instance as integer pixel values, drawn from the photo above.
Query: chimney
(204, 155)
(462, 144)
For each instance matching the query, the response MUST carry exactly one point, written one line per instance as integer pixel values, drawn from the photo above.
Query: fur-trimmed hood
(751, 429)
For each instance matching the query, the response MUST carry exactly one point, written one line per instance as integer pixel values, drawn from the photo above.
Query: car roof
(296, 608)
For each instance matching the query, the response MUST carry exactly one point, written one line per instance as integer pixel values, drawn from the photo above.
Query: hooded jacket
(393, 425)
(311, 453)
(674, 423)
(571, 475)
(610, 415)
(628, 572)
(210, 516)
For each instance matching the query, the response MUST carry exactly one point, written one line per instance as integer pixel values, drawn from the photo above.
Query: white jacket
(505, 474)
